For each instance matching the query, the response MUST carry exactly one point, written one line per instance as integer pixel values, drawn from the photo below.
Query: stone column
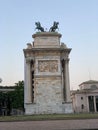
(62, 89)
(67, 83)
(87, 105)
(95, 103)
(28, 87)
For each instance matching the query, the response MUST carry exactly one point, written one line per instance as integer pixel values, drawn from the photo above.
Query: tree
(13, 99)
(5, 104)
(17, 96)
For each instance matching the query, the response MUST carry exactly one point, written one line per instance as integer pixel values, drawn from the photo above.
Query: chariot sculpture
(52, 28)
(39, 27)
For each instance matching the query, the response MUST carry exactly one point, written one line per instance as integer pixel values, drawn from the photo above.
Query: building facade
(86, 98)
(47, 86)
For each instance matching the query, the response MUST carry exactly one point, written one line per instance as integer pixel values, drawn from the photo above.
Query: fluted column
(28, 85)
(67, 82)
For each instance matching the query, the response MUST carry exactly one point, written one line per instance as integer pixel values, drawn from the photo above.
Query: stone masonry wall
(48, 90)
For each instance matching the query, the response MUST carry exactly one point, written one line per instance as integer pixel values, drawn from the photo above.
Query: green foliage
(13, 99)
(17, 96)
(2, 96)
(70, 117)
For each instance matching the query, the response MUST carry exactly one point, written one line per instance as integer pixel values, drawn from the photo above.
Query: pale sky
(78, 24)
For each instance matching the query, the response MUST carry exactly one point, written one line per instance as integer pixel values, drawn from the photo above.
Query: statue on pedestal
(38, 26)
(54, 27)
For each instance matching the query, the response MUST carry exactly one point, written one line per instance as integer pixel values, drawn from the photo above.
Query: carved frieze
(48, 66)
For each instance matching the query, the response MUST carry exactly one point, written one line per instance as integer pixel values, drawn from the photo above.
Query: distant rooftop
(89, 82)
(6, 88)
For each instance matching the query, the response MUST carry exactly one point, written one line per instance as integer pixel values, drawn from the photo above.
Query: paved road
(51, 125)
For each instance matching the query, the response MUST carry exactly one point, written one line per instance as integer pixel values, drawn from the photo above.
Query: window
(82, 106)
(91, 103)
(93, 87)
(96, 98)
(81, 98)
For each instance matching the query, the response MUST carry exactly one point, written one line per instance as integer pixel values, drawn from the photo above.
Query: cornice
(41, 34)
(47, 49)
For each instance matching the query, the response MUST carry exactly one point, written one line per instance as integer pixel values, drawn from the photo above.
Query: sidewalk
(51, 125)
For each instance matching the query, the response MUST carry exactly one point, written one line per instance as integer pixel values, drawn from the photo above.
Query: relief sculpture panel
(48, 66)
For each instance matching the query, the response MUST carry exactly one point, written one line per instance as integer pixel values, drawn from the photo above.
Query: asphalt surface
(87, 124)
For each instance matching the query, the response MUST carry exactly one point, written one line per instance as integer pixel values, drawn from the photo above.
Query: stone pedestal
(47, 87)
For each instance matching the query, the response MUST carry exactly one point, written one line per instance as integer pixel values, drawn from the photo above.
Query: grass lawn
(49, 117)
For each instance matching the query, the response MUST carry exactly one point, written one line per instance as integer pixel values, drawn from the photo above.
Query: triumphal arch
(47, 85)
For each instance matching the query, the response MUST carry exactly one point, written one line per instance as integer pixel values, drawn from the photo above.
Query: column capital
(64, 55)
(29, 59)
(65, 59)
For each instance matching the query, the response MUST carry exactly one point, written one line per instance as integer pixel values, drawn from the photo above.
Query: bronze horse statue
(54, 27)
(38, 26)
